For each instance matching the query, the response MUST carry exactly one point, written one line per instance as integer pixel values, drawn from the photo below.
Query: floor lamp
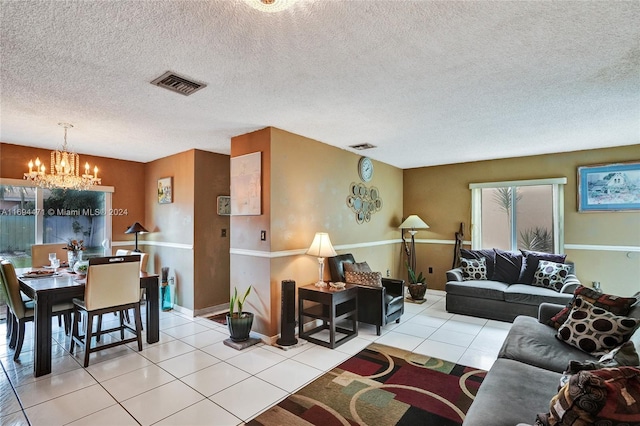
(411, 224)
(136, 228)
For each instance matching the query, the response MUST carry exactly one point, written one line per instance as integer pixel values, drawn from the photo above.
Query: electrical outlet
(223, 233)
(263, 235)
(388, 273)
(430, 270)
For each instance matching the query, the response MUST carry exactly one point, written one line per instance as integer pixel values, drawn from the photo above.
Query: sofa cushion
(530, 295)
(530, 263)
(474, 269)
(502, 399)
(481, 289)
(507, 267)
(488, 254)
(605, 397)
(550, 275)
(393, 303)
(615, 304)
(536, 344)
(595, 330)
(372, 279)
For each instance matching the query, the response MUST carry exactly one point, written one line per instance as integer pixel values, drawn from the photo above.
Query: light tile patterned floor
(190, 377)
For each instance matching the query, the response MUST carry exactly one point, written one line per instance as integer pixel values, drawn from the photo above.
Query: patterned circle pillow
(372, 279)
(550, 275)
(474, 269)
(615, 304)
(594, 330)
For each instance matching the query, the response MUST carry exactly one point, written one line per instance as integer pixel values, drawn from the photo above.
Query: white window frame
(557, 203)
(39, 237)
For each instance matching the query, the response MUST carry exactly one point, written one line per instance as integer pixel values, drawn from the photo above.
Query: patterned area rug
(382, 386)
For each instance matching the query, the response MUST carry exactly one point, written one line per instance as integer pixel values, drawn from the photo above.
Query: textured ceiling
(428, 82)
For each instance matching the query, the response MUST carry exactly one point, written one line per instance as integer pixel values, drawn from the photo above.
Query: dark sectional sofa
(508, 293)
(527, 373)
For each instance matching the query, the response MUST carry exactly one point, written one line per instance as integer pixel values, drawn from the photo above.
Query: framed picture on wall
(165, 190)
(246, 185)
(609, 187)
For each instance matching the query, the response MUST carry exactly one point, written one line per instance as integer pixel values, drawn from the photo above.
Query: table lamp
(136, 228)
(321, 247)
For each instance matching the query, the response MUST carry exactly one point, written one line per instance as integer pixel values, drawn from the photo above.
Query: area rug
(219, 318)
(382, 386)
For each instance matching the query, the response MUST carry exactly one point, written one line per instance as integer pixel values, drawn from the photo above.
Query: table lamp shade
(321, 246)
(135, 228)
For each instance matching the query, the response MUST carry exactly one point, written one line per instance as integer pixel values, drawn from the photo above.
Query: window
(31, 215)
(516, 215)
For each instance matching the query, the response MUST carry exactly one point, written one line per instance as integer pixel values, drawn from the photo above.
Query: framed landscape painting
(611, 187)
(165, 190)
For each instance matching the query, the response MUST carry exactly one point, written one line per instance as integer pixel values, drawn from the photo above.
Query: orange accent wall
(127, 178)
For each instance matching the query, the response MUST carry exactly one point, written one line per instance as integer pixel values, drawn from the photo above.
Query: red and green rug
(382, 386)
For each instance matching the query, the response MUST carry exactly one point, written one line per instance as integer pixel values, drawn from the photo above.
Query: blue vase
(165, 297)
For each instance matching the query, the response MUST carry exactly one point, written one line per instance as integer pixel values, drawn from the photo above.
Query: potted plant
(238, 321)
(417, 284)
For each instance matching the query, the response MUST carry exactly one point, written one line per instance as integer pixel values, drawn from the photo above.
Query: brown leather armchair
(376, 305)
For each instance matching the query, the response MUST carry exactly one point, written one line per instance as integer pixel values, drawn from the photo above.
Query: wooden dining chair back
(40, 254)
(23, 311)
(113, 285)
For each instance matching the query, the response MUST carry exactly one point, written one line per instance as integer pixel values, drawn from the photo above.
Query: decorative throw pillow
(507, 267)
(614, 304)
(357, 267)
(488, 254)
(595, 330)
(550, 275)
(623, 355)
(474, 269)
(372, 279)
(530, 263)
(601, 397)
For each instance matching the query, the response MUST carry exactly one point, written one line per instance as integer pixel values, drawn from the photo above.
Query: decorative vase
(72, 258)
(417, 290)
(165, 297)
(240, 327)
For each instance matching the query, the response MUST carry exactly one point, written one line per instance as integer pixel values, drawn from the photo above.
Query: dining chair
(113, 285)
(23, 311)
(144, 258)
(40, 253)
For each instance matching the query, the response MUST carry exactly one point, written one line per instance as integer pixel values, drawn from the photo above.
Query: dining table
(63, 286)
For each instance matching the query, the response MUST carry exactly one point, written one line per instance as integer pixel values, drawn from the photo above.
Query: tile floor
(191, 378)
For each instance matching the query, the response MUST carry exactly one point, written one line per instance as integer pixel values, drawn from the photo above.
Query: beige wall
(171, 226)
(305, 187)
(441, 196)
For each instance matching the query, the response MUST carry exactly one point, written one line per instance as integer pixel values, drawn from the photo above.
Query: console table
(328, 305)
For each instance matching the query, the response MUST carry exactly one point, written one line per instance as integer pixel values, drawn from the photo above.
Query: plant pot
(417, 291)
(239, 327)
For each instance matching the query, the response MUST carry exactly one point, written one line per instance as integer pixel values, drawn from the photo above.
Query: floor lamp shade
(136, 228)
(321, 247)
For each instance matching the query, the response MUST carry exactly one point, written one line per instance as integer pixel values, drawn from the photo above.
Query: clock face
(365, 169)
(224, 205)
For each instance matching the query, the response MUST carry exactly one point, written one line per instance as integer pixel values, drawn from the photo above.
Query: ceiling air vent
(362, 146)
(175, 83)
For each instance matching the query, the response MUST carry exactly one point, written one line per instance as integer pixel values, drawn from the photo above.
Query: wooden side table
(330, 306)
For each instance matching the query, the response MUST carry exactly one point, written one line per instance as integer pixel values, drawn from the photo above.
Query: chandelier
(65, 170)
